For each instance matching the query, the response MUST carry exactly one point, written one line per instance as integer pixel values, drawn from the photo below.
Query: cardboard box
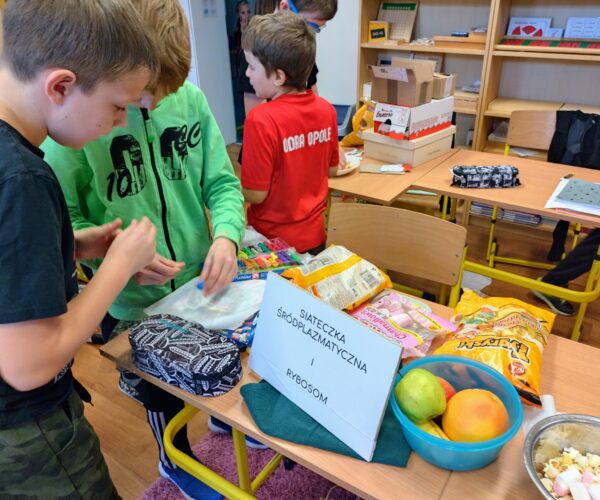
(378, 31)
(438, 59)
(415, 152)
(443, 85)
(402, 123)
(465, 101)
(405, 83)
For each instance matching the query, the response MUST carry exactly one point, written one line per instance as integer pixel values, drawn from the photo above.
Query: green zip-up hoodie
(167, 164)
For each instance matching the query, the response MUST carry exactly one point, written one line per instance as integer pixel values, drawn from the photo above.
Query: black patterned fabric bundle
(488, 176)
(185, 354)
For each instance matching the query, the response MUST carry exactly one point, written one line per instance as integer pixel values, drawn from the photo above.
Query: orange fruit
(474, 415)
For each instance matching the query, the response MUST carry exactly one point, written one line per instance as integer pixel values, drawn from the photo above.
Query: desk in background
(538, 181)
(382, 189)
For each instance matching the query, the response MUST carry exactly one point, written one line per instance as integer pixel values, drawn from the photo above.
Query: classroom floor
(120, 422)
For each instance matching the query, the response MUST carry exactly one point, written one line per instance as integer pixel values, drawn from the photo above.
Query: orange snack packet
(506, 334)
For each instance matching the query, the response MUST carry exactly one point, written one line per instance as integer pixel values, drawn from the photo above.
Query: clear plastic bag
(225, 310)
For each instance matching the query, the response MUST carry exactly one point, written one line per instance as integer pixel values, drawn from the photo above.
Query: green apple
(420, 396)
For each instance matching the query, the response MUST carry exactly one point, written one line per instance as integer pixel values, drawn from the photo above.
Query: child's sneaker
(559, 306)
(190, 487)
(220, 427)
(128, 385)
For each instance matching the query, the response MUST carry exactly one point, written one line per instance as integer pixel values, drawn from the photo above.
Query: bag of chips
(506, 334)
(404, 320)
(339, 277)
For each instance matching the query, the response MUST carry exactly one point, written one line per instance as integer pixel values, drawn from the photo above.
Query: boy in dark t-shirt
(49, 85)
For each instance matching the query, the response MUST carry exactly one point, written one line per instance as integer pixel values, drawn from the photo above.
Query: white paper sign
(337, 370)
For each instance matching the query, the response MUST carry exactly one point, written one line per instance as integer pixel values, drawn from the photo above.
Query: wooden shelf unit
(546, 53)
(502, 108)
(512, 77)
(464, 111)
(534, 77)
(407, 47)
(435, 17)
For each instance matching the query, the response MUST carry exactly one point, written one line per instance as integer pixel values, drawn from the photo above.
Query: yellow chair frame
(589, 294)
(246, 488)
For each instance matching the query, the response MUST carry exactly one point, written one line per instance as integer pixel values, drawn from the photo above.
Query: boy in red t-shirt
(290, 142)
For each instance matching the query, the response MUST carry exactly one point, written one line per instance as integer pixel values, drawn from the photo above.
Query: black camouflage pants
(56, 455)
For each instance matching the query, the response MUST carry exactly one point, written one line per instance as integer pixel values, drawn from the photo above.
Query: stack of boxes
(413, 114)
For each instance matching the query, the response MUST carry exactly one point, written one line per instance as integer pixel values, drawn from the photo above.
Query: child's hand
(135, 247)
(93, 243)
(220, 266)
(159, 271)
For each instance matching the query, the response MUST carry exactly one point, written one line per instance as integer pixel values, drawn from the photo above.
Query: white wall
(337, 55)
(210, 64)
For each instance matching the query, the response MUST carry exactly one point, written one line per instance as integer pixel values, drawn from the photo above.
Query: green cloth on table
(277, 416)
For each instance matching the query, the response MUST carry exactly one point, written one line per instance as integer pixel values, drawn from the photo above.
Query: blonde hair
(166, 20)
(282, 41)
(99, 40)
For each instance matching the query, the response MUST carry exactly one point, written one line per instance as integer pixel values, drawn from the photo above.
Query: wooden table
(569, 373)
(538, 181)
(368, 480)
(381, 188)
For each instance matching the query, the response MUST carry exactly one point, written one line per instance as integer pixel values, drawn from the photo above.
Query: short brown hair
(166, 20)
(282, 41)
(325, 9)
(262, 7)
(99, 40)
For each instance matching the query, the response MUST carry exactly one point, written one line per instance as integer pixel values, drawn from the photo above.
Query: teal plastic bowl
(462, 373)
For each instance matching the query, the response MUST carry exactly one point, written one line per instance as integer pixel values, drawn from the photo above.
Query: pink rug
(216, 451)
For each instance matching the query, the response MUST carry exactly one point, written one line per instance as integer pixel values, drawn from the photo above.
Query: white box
(403, 123)
(414, 152)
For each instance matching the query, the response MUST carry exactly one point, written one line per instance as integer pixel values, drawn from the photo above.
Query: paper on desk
(395, 168)
(582, 192)
(555, 202)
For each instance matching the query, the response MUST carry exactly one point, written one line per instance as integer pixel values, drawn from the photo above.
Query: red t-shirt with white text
(289, 145)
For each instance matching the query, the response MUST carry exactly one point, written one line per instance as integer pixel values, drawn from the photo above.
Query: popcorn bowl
(550, 436)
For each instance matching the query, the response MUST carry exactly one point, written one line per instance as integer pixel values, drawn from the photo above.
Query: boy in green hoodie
(169, 164)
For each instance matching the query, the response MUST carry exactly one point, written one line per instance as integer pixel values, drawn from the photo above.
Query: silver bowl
(550, 436)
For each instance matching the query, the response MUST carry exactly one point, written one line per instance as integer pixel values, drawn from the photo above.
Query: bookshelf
(533, 77)
(512, 77)
(434, 17)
